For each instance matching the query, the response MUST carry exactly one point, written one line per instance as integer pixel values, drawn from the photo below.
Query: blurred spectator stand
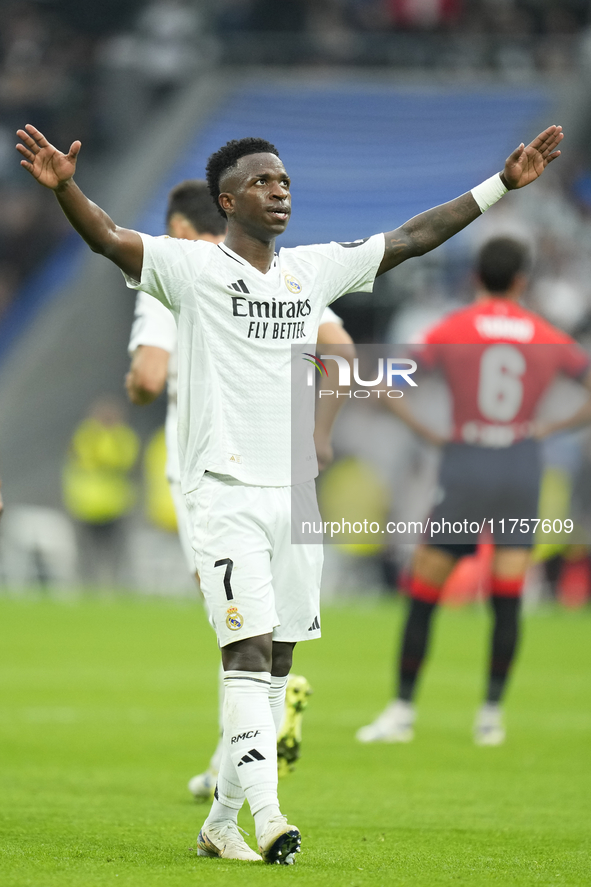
(38, 548)
(99, 492)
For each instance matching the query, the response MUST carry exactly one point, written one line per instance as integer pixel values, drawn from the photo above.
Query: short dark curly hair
(191, 199)
(227, 157)
(500, 260)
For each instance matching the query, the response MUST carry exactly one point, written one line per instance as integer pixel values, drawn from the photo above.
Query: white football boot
(223, 839)
(289, 738)
(489, 729)
(395, 724)
(279, 841)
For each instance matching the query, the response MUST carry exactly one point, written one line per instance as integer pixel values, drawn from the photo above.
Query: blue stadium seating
(363, 158)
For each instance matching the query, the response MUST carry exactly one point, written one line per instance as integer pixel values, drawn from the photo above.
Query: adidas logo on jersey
(239, 286)
(252, 755)
(315, 625)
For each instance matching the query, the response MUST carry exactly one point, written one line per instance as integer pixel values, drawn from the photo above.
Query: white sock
(221, 694)
(251, 740)
(229, 797)
(229, 791)
(216, 758)
(277, 700)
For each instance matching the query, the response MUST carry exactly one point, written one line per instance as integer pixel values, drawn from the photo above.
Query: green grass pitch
(108, 706)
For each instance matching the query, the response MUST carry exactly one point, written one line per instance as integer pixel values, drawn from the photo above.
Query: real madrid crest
(292, 283)
(234, 620)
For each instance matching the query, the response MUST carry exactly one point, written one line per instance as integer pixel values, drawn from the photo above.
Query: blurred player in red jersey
(503, 360)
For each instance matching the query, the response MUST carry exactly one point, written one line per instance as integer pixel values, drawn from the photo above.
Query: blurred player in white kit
(192, 215)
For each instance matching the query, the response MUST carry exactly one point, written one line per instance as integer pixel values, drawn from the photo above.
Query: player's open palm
(45, 163)
(527, 163)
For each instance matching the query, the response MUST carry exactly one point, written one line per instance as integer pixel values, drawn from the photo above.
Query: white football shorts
(254, 580)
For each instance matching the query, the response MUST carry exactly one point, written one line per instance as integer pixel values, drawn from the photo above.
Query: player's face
(257, 196)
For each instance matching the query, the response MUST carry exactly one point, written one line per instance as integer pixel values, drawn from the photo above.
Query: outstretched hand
(45, 163)
(528, 163)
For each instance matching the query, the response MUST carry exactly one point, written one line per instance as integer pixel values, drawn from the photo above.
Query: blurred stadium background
(380, 108)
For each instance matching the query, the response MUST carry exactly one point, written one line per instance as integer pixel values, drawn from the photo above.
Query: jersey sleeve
(347, 267)
(329, 316)
(153, 324)
(169, 268)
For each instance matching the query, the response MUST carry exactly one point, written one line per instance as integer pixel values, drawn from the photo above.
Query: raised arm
(430, 229)
(55, 170)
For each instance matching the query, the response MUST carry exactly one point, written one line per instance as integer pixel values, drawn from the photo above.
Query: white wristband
(489, 192)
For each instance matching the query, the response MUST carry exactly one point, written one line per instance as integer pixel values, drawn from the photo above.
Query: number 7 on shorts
(229, 565)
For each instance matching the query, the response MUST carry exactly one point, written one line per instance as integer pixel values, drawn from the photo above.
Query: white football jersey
(328, 316)
(236, 327)
(153, 324)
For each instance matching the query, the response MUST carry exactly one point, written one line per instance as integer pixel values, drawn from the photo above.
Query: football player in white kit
(192, 215)
(239, 306)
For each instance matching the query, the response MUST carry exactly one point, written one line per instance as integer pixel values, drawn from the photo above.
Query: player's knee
(422, 591)
(282, 658)
(250, 654)
(432, 565)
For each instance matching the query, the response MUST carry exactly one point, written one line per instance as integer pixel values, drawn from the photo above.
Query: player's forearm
(399, 408)
(89, 220)
(147, 374)
(579, 419)
(432, 228)
(428, 230)
(402, 412)
(97, 228)
(326, 413)
(333, 338)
